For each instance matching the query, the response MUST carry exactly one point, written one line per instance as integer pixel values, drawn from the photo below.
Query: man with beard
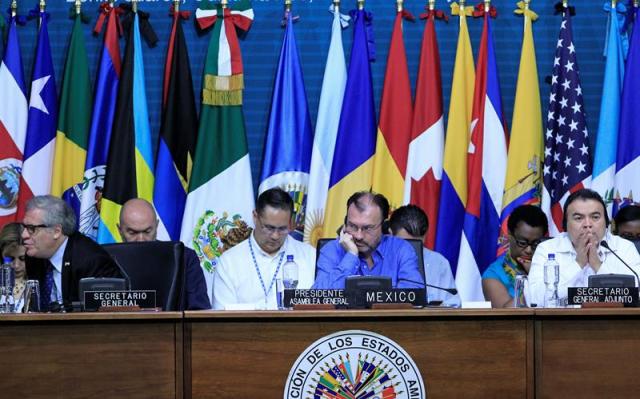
(578, 250)
(246, 274)
(527, 225)
(362, 249)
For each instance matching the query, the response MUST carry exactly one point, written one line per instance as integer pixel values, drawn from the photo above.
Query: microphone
(452, 291)
(603, 243)
(124, 272)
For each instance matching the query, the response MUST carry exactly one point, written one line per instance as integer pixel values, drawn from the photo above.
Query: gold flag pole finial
(224, 3)
(487, 5)
(42, 5)
(336, 3)
(399, 5)
(360, 4)
(287, 5)
(78, 5)
(134, 5)
(176, 6)
(14, 8)
(565, 3)
(432, 5)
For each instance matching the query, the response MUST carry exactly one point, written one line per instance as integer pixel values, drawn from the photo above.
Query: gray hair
(55, 211)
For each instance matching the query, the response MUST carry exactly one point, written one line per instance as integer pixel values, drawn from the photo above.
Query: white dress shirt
(438, 272)
(236, 281)
(571, 274)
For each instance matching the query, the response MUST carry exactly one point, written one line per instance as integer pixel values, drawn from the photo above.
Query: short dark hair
(531, 215)
(627, 214)
(378, 199)
(411, 218)
(584, 194)
(276, 198)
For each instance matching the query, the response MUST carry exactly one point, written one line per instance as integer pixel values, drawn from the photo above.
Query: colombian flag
(355, 144)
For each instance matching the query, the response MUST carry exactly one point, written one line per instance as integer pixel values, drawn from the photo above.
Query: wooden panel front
(587, 357)
(471, 357)
(61, 358)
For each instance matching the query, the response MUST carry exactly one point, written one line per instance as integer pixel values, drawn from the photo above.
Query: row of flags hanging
(98, 144)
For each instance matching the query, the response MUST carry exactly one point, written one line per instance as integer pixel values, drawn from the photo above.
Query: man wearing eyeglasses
(362, 249)
(527, 226)
(627, 224)
(59, 256)
(578, 250)
(246, 274)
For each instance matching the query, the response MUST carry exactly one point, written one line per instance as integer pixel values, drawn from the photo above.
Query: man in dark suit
(59, 256)
(138, 222)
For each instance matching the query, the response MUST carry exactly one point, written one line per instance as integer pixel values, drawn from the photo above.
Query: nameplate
(355, 298)
(94, 300)
(625, 295)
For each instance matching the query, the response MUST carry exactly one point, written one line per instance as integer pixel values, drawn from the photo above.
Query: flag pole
(287, 5)
(176, 6)
(14, 8)
(224, 3)
(399, 5)
(487, 5)
(432, 5)
(78, 5)
(360, 4)
(134, 6)
(565, 3)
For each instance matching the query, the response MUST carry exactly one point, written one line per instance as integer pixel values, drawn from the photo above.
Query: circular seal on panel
(10, 170)
(354, 364)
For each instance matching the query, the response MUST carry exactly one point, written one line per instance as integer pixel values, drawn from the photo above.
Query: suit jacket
(82, 258)
(195, 295)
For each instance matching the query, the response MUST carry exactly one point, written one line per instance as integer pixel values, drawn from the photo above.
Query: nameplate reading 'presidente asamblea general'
(354, 364)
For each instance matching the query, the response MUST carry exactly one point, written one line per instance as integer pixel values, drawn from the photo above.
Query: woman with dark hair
(11, 247)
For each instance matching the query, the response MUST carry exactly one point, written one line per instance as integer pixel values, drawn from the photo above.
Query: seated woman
(527, 226)
(11, 247)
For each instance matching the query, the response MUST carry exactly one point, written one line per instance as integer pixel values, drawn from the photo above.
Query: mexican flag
(220, 197)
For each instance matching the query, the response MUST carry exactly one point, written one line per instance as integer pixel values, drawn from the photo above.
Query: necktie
(45, 298)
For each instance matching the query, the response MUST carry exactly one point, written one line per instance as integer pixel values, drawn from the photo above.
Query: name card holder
(119, 300)
(588, 296)
(353, 299)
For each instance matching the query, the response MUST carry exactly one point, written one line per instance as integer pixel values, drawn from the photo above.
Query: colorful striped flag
(130, 162)
(453, 191)
(486, 165)
(523, 180)
(567, 166)
(74, 117)
(604, 160)
(352, 165)
(628, 151)
(394, 129)
(178, 135)
(331, 95)
(426, 149)
(86, 197)
(40, 142)
(13, 124)
(220, 195)
(289, 138)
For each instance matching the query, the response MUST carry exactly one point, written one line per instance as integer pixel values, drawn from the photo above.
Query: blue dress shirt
(393, 257)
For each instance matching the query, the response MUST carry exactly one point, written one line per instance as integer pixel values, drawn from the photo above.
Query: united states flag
(567, 166)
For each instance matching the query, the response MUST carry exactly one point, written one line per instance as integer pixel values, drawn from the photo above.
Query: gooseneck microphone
(451, 291)
(603, 243)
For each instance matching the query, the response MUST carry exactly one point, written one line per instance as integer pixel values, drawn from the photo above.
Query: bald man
(138, 222)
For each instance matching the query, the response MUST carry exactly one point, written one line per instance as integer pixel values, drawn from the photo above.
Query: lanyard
(273, 279)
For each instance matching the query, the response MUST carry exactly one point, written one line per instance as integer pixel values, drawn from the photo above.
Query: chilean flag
(486, 166)
(13, 125)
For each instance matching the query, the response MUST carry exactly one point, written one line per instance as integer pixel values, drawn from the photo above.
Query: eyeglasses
(368, 229)
(522, 244)
(269, 229)
(32, 228)
(630, 236)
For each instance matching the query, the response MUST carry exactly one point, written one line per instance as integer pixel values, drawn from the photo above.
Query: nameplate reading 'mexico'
(626, 295)
(355, 298)
(108, 299)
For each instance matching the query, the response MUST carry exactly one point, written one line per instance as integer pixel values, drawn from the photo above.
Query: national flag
(40, 142)
(394, 128)
(178, 134)
(220, 191)
(86, 196)
(604, 160)
(331, 95)
(453, 189)
(567, 166)
(628, 151)
(486, 166)
(74, 117)
(289, 138)
(13, 124)
(426, 149)
(523, 181)
(352, 165)
(130, 162)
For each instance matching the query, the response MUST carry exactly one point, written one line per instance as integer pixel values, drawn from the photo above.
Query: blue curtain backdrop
(261, 47)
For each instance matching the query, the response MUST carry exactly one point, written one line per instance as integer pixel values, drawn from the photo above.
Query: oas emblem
(215, 234)
(354, 364)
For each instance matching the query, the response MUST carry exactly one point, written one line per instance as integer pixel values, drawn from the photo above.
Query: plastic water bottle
(290, 273)
(7, 282)
(551, 279)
